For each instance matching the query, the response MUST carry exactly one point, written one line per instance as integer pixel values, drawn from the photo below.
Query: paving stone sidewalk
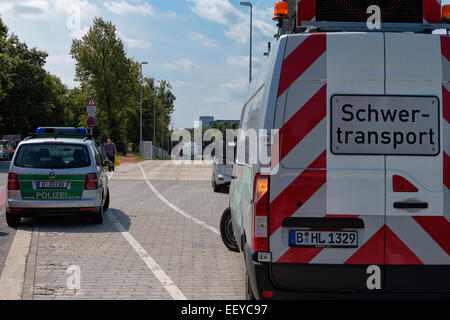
(192, 256)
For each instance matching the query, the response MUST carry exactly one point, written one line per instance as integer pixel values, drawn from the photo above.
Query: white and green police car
(57, 171)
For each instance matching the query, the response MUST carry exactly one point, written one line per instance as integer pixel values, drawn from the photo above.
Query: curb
(13, 275)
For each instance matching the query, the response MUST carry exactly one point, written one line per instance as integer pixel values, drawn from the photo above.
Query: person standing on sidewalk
(111, 152)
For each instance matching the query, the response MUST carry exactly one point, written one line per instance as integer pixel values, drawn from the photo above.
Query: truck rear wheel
(248, 289)
(226, 231)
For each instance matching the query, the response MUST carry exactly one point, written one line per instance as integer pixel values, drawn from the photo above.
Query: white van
(356, 201)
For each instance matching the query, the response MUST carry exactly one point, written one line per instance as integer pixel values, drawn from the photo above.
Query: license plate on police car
(323, 239)
(52, 184)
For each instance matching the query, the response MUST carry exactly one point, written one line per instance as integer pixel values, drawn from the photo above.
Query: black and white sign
(385, 125)
(91, 107)
(406, 11)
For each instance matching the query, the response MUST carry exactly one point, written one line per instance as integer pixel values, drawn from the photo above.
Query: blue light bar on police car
(61, 130)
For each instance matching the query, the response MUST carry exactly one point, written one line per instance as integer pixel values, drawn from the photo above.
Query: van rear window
(406, 11)
(52, 156)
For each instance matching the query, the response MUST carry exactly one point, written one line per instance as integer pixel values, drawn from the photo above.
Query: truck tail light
(400, 184)
(91, 183)
(261, 213)
(13, 181)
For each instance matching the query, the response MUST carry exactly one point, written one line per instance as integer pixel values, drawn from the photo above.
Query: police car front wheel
(106, 204)
(13, 220)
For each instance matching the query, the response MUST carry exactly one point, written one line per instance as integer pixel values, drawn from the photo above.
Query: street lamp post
(140, 116)
(154, 113)
(162, 138)
(249, 4)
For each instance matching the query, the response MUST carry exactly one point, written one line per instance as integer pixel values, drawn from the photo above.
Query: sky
(200, 46)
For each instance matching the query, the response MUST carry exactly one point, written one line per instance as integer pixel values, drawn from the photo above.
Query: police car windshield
(52, 156)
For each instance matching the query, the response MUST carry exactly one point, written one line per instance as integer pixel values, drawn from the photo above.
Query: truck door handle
(410, 205)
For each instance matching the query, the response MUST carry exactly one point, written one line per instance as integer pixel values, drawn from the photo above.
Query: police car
(353, 199)
(57, 171)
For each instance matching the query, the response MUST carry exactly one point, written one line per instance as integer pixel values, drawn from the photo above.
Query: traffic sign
(91, 102)
(90, 122)
(91, 107)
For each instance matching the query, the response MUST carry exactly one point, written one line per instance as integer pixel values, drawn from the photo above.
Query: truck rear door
(333, 199)
(417, 230)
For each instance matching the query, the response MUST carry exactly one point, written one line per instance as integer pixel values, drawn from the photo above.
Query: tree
(33, 97)
(5, 64)
(153, 95)
(103, 67)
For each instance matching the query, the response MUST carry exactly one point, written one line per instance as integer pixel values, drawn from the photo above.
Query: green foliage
(114, 80)
(157, 107)
(222, 126)
(5, 64)
(31, 97)
(103, 68)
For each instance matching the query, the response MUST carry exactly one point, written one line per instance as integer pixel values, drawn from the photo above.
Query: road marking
(13, 275)
(159, 273)
(179, 171)
(174, 207)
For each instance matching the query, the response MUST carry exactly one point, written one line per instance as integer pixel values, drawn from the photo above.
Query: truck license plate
(323, 239)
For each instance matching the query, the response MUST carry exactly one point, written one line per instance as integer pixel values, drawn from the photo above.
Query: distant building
(206, 121)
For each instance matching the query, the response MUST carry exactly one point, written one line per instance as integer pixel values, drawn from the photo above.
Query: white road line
(159, 273)
(110, 175)
(175, 208)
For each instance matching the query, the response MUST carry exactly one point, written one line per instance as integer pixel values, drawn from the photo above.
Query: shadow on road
(77, 223)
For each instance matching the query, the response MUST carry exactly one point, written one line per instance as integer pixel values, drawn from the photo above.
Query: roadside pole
(91, 109)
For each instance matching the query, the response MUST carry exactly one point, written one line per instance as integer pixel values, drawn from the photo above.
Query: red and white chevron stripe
(301, 143)
(302, 133)
(431, 11)
(438, 227)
